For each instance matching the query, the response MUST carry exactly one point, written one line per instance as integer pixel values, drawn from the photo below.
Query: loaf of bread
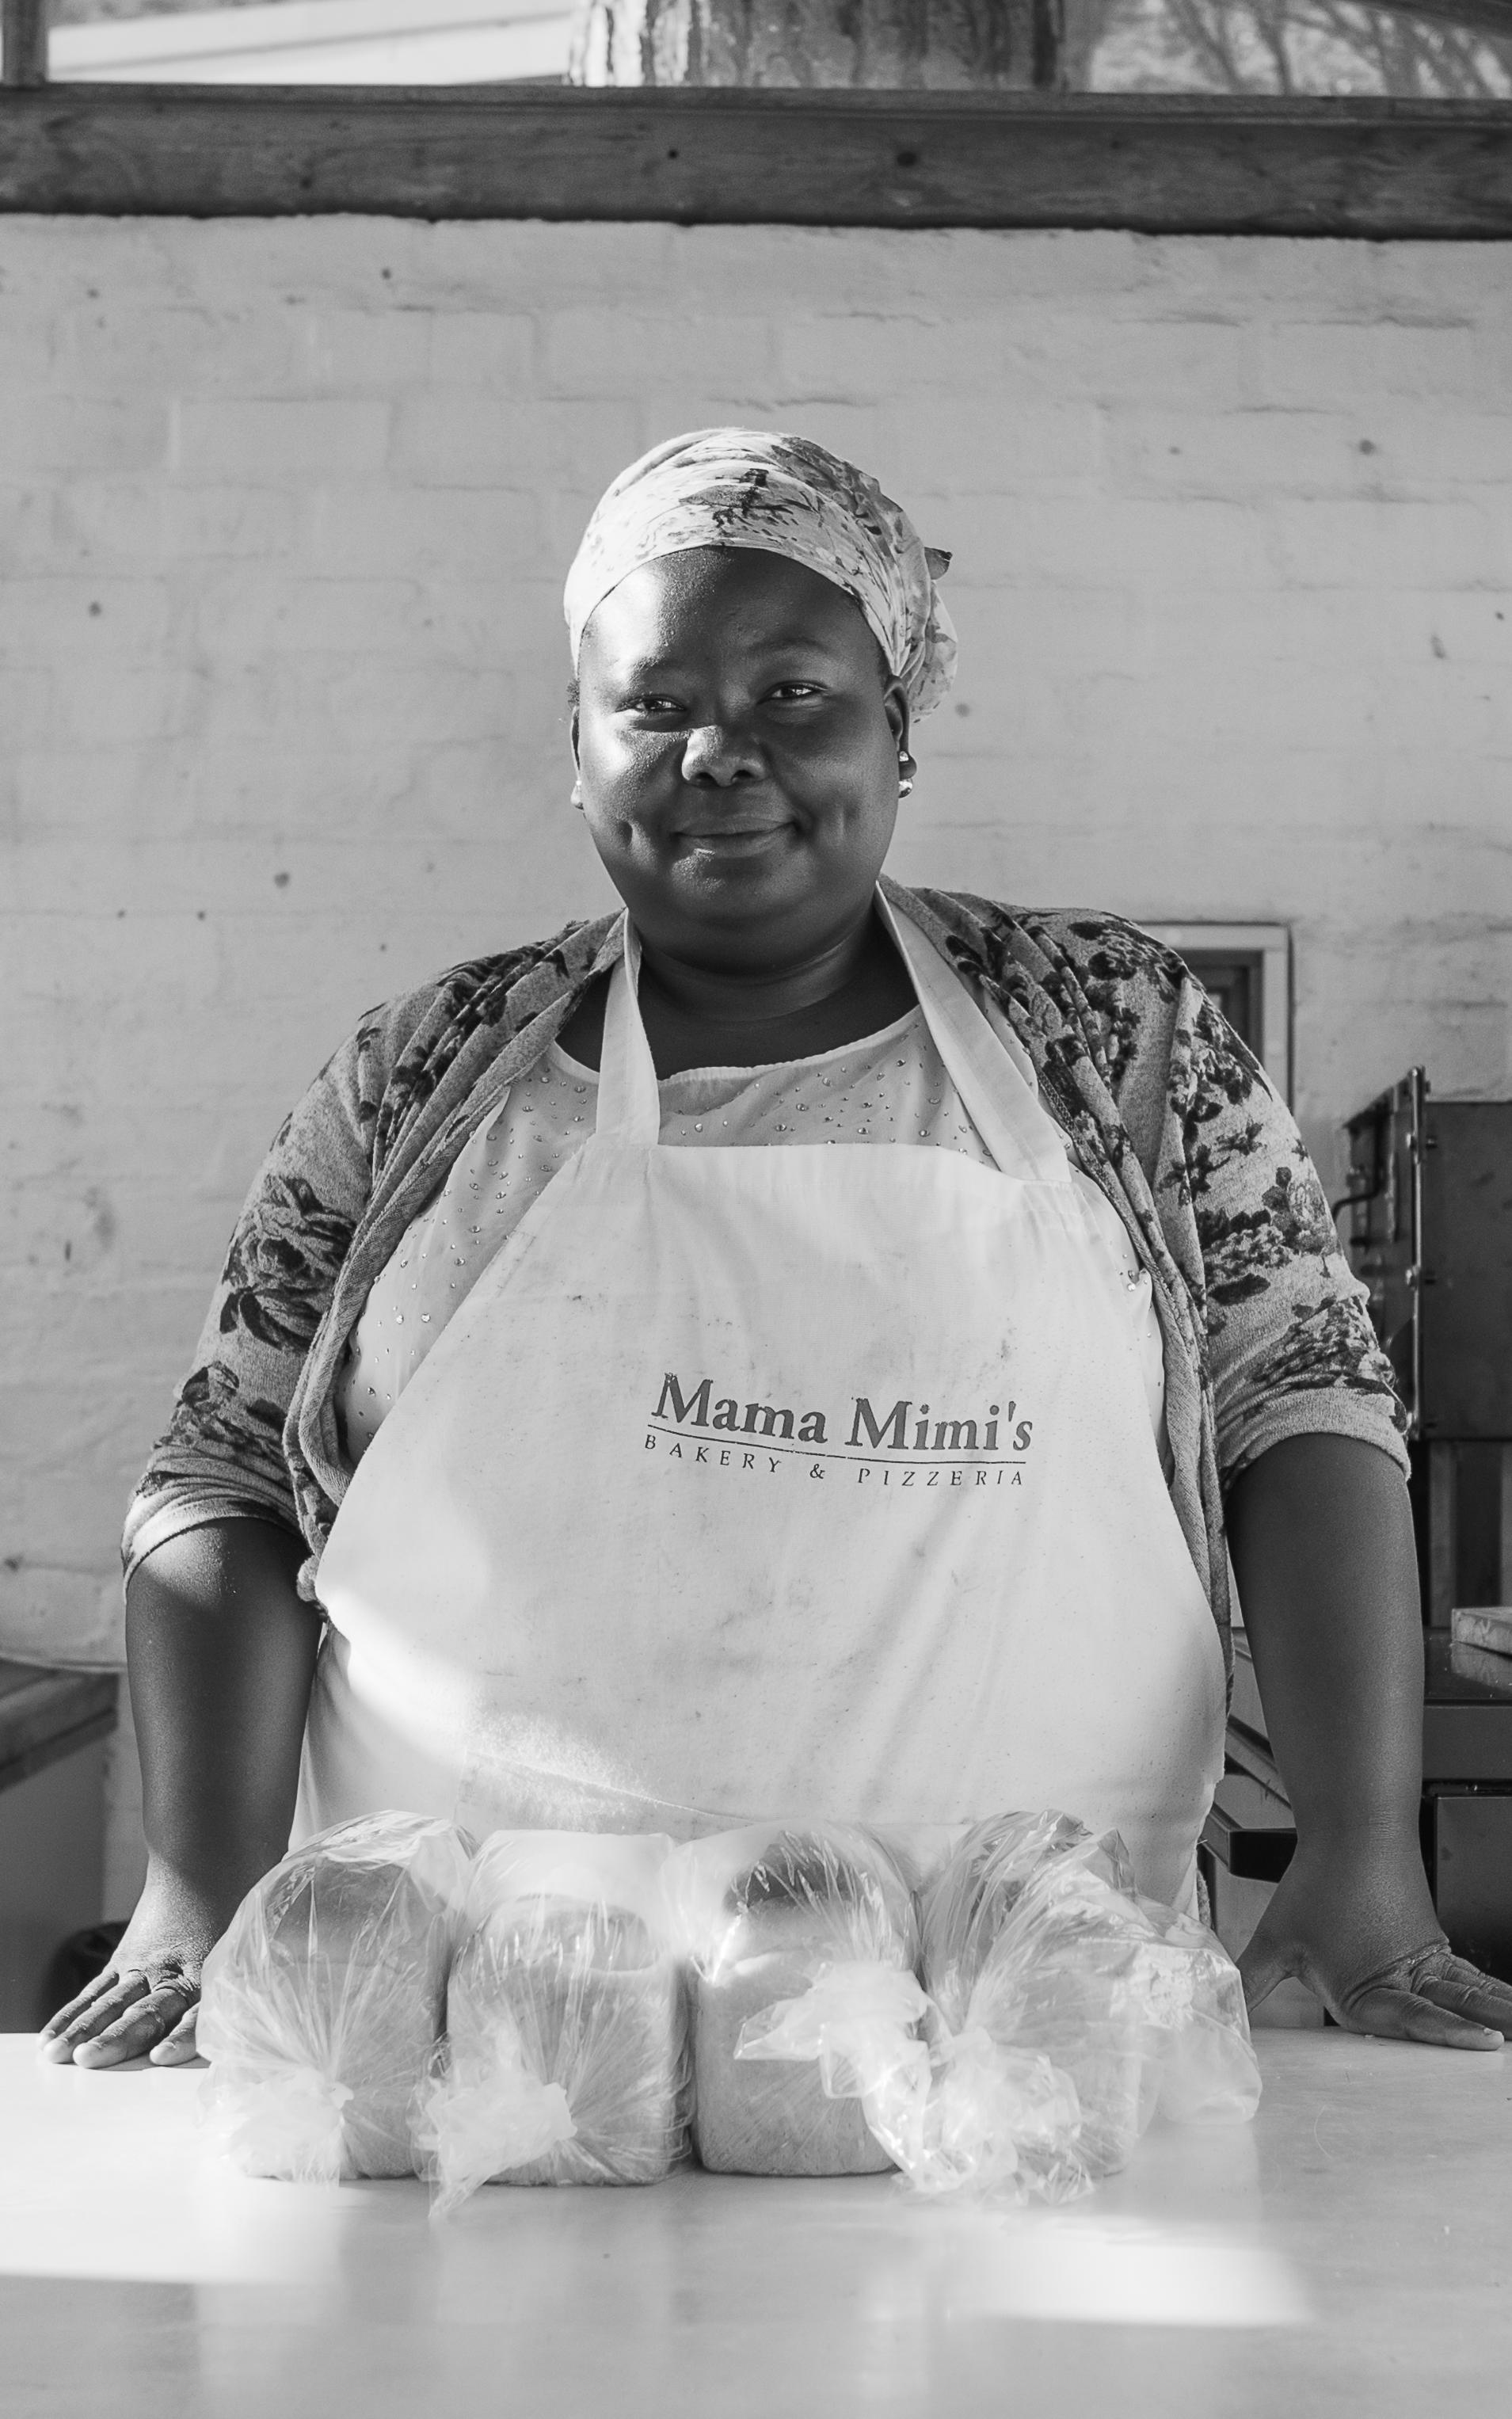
(322, 2004)
(766, 1911)
(567, 2024)
(973, 1892)
(1033, 1931)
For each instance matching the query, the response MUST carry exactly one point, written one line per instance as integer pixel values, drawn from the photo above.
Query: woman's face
(738, 738)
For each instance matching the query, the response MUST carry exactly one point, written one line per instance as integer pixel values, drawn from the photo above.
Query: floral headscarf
(777, 494)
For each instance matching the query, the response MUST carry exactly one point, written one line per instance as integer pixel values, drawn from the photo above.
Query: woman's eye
(660, 707)
(791, 692)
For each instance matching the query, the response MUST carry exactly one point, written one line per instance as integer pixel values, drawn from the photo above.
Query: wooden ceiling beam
(1177, 165)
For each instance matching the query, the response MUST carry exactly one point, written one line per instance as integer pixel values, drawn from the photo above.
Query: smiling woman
(783, 1128)
(739, 745)
(753, 625)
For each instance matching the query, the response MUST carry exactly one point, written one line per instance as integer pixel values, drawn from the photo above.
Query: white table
(1349, 2252)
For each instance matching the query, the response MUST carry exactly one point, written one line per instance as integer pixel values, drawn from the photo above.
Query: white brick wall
(284, 509)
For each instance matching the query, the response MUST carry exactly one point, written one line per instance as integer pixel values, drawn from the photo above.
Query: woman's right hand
(222, 1652)
(145, 2002)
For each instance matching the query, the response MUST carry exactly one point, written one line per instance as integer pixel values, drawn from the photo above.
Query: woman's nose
(714, 752)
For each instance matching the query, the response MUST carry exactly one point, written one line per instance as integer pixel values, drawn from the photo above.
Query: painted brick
(65, 788)
(1056, 354)
(1312, 363)
(46, 619)
(444, 532)
(28, 524)
(283, 436)
(240, 613)
(1244, 454)
(61, 432)
(897, 345)
(1101, 542)
(940, 439)
(587, 352)
(365, 350)
(27, 704)
(129, 697)
(416, 702)
(491, 349)
(452, 437)
(1421, 447)
(105, 346)
(1372, 545)
(129, 522)
(853, 354)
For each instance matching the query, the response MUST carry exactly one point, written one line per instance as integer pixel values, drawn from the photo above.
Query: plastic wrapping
(770, 1915)
(1035, 1932)
(992, 2010)
(321, 2004)
(1031, 1934)
(566, 2060)
(1060, 2010)
(1067, 2009)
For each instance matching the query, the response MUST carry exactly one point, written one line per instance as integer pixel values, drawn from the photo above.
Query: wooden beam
(1371, 168)
(22, 42)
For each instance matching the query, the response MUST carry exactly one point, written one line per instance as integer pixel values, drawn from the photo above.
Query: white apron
(811, 1480)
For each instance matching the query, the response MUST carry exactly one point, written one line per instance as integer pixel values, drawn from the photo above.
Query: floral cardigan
(1265, 1331)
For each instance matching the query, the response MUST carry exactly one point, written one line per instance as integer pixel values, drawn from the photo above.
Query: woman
(656, 1464)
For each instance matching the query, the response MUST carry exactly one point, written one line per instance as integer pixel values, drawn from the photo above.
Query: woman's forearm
(222, 1653)
(1321, 1531)
(1321, 1535)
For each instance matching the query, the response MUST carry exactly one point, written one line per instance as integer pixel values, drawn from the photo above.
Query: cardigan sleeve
(1290, 1348)
(221, 1456)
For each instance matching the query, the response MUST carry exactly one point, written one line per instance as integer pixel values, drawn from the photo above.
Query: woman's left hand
(1358, 1926)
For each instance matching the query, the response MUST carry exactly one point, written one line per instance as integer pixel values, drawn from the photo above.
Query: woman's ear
(576, 760)
(895, 705)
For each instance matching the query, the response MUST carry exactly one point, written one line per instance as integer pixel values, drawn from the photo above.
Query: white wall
(284, 509)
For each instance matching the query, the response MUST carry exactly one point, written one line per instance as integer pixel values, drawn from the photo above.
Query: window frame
(1154, 163)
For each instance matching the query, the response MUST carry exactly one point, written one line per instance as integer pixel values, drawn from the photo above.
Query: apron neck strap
(629, 1106)
(997, 1099)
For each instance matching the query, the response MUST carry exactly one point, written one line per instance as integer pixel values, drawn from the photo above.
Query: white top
(889, 1088)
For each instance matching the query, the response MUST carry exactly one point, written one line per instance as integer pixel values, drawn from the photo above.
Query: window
(1231, 117)
(309, 42)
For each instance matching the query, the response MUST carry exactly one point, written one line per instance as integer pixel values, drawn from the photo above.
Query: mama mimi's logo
(908, 1443)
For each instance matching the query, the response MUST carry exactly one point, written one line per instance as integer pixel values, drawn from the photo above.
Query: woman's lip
(739, 835)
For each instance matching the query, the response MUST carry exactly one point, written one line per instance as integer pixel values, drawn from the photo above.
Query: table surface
(1348, 2252)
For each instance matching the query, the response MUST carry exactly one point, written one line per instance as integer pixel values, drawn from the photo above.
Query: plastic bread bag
(321, 2004)
(566, 2057)
(1038, 1944)
(1062, 2009)
(1208, 2066)
(1028, 1930)
(776, 1920)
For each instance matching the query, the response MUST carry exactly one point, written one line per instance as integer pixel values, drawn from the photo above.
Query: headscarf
(773, 494)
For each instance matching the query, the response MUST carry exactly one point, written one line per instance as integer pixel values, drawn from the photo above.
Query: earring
(906, 769)
(576, 798)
